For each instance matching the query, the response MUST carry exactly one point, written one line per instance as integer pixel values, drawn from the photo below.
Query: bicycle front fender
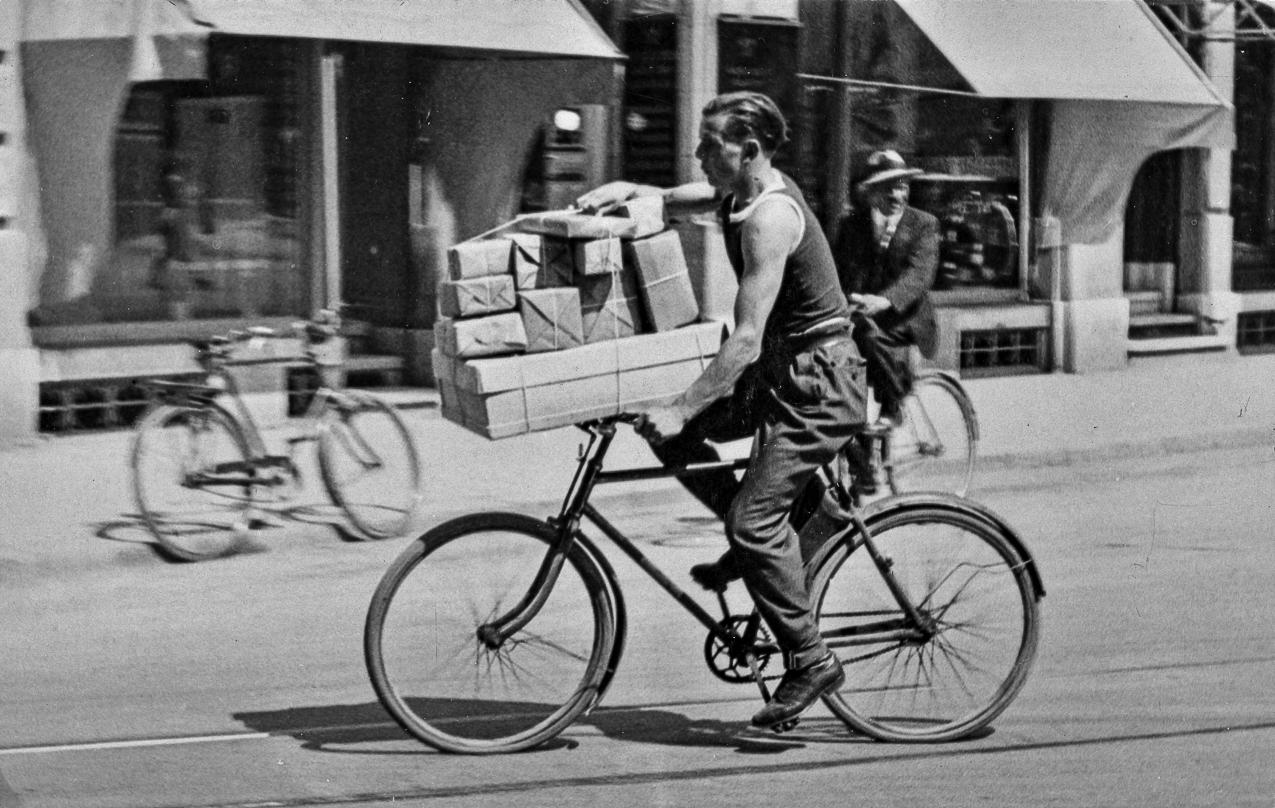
(546, 528)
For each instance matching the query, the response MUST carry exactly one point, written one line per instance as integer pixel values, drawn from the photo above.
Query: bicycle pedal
(785, 726)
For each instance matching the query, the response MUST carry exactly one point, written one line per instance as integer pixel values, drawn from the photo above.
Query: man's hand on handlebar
(870, 304)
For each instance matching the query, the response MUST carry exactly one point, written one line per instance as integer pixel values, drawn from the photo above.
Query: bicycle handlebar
(322, 326)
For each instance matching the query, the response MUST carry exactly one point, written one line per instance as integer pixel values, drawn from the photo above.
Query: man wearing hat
(887, 254)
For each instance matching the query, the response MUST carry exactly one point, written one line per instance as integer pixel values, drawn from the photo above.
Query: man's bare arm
(691, 197)
(768, 238)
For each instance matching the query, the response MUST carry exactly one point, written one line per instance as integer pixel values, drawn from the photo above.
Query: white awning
(559, 28)
(1094, 50)
(1119, 89)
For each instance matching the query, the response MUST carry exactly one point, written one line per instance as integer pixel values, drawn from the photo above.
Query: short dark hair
(750, 114)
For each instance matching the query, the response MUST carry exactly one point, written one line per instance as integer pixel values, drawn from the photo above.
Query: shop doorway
(372, 156)
(1151, 270)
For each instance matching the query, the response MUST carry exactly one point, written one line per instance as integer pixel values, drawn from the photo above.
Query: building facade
(1081, 177)
(170, 170)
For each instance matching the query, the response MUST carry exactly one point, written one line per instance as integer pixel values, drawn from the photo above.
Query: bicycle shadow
(131, 529)
(339, 728)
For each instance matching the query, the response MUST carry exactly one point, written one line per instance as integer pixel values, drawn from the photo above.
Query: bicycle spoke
(977, 633)
(534, 682)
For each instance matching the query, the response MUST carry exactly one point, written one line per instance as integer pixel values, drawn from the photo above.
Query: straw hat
(886, 166)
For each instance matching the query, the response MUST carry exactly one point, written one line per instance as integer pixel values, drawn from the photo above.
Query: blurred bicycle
(201, 468)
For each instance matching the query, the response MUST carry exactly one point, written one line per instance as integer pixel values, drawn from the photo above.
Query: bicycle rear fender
(962, 395)
(878, 510)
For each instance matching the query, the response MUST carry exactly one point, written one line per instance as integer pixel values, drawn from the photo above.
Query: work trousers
(803, 406)
(886, 356)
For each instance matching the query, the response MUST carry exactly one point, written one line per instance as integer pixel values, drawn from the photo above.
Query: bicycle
(494, 632)
(200, 468)
(934, 445)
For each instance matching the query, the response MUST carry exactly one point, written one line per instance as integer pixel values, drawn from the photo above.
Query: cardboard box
(524, 259)
(477, 259)
(665, 281)
(557, 263)
(492, 335)
(647, 213)
(513, 395)
(610, 305)
(600, 256)
(476, 296)
(577, 225)
(552, 318)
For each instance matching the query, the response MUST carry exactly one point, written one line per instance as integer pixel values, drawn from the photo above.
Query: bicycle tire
(441, 683)
(191, 522)
(934, 448)
(369, 464)
(963, 572)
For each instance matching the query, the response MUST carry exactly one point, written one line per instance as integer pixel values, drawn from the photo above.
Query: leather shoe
(799, 689)
(715, 575)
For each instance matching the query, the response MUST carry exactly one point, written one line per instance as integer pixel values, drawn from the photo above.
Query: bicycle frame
(222, 384)
(913, 627)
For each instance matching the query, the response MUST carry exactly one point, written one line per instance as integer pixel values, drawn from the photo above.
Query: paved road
(240, 682)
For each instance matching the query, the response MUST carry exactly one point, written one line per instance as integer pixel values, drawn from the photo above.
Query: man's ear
(752, 149)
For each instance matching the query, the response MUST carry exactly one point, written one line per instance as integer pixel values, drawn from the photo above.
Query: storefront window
(965, 144)
(1253, 167)
(208, 220)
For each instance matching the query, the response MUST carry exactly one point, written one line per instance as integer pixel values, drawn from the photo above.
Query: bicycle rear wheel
(177, 453)
(369, 464)
(974, 589)
(933, 448)
(446, 686)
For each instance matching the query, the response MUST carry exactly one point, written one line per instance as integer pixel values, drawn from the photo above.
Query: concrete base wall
(19, 394)
(1095, 335)
(952, 320)
(1093, 271)
(1205, 252)
(19, 390)
(1221, 308)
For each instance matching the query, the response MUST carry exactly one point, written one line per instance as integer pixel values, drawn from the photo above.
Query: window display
(206, 215)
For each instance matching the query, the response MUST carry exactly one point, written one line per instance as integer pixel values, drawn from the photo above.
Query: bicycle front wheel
(981, 626)
(191, 481)
(443, 682)
(369, 464)
(933, 448)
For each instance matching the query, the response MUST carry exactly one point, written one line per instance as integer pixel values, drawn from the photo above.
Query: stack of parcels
(587, 291)
(478, 301)
(501, 396)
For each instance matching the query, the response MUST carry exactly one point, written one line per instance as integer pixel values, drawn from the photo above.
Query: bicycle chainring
(731, 667)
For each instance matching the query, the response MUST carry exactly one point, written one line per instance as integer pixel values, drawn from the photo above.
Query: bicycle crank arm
(757, 677)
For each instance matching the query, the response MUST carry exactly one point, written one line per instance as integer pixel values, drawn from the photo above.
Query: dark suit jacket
(903, 273)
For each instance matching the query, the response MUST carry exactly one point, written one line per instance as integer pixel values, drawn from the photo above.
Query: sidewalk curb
(1161, 446)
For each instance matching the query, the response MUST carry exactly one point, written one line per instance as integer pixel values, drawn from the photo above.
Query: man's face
(889, 197)
(720, 159)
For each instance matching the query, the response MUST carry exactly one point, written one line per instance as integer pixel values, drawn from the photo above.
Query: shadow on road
(131, 528)
(333, 728)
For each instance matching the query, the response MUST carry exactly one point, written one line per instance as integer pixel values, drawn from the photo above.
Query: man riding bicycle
(887, 253)
(789, 371)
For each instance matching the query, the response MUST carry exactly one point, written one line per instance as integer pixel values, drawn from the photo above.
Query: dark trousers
(803, 407)
(885, 356)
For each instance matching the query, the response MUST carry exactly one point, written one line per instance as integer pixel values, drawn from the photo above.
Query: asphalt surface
(67, 503)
